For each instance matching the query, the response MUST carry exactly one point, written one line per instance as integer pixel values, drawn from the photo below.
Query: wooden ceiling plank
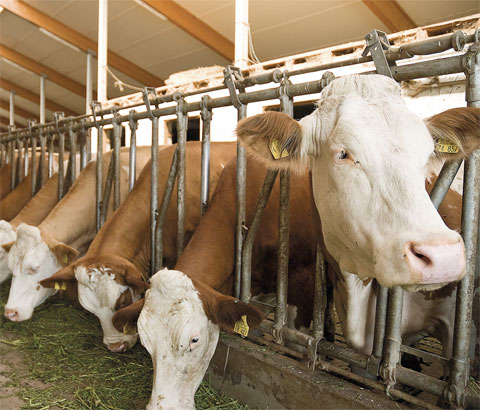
(35, 98)
(19, 111)
(40, 19)
(40, 69)
(6, 121)
(194, 26)
(390, 13)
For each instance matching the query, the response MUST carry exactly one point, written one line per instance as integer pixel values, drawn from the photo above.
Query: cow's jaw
(30, 260)
(175, 330)
(98, 293)
(368, 184)
(7, 234)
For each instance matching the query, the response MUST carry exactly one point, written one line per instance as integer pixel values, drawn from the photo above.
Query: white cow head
(7, 236)
(369, 157)
(103, 288)
(34, 256)
(179, 326)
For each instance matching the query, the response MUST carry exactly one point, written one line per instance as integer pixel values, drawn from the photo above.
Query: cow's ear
(276, 139)
(125, 320)
(226, 311)
(7, 246)
(63, 253)
(61, 279)
(456, 132)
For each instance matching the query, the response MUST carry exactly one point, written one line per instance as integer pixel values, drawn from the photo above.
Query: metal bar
(444, 180)
(132, 161)
(12, 108)
(470, 225)
(83, 148)
(99, 179)
(320, 295)
(107, 190)
(20, 161)
(42, 98)
(167, 195)
(246, 262)
(206, 115)
(182, 124)
(102, 52)
(61, 174)
(41, 165)
(154, 193)
(393, 337)
(283, 253)
(117, 135)
(26, 160)
(14, 163)
(89, 82)
(50, 156)
(375, 358)
(73, 154)
(34, 164)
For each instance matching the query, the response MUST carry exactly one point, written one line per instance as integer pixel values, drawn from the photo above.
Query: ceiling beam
(5, 121)
(194, 26)
(38, 68)
(390, 13)
(35, 98)
(19, 111)
(40, 19)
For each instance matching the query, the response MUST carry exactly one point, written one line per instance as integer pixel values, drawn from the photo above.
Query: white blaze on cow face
(7, 234)
(30, 261)
(175, 330)
(98, 292)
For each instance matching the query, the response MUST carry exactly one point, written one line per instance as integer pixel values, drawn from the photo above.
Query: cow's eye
(342, 154)
(194, 340)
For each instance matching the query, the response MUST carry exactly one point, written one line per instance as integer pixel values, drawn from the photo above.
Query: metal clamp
(131, 121)
(146, 100)
(94, 105)
(31, 123)
(278, 75)
(376, 43)
(326, 79)
(232, 74)
(205, 113)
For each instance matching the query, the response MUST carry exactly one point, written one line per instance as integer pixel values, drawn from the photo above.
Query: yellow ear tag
(65, 259)
(241, 327)
(129, 329)
(277, 151)
(446, 146)
(60, 286)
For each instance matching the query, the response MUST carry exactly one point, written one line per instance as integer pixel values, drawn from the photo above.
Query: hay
(67, 366)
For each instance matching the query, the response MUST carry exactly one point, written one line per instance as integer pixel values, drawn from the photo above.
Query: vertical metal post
(83, 146)
(58, 116)
(12, 108)
(375, 358)
(41, 162)
(206, 115)
(89, 82)
(33, 145)
(320, 295)
(117, 135)
(42, 98)
(98, 168)
(72, 137)
(132, 160)
(12, 159)
(470, 225)
(50, 156)
(153, 178)
(182, 124)
(26, 162)
(2, 155)
(241, 33)
(393, 337)
(102, 51)
(20, 161)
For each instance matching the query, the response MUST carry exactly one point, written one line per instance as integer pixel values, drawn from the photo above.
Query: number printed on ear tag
(241, 327)
(446, 146)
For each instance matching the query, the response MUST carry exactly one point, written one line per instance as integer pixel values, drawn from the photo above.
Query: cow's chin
(424, 288)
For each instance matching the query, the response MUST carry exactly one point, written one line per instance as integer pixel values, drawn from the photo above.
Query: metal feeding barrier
(384, 360)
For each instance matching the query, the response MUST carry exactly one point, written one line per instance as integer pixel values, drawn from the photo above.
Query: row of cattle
(363, 200)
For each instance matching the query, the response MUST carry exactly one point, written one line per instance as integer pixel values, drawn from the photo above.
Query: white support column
(102, 50)
(89, 82)
(43, 77)
(241, 33)
(12, 107)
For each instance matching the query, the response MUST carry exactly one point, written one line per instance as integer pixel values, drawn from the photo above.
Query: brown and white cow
(33, 213)
(113, 272)
(40, 251)
(369, 157)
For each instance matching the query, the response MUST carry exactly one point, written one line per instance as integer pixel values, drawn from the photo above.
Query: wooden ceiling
(145, 47)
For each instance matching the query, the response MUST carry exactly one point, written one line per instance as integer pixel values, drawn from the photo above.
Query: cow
(369, 157)
(181, 348)
(112, 273)
(38, 252)
(33, 213)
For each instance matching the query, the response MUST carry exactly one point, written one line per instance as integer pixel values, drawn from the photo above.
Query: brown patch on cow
(459, 126)
(258, 132)
(127, 317)
(441, 293)
(63, 275)
(124, 300)
(7, 246)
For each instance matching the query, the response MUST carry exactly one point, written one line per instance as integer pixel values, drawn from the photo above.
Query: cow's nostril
(11, 314)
